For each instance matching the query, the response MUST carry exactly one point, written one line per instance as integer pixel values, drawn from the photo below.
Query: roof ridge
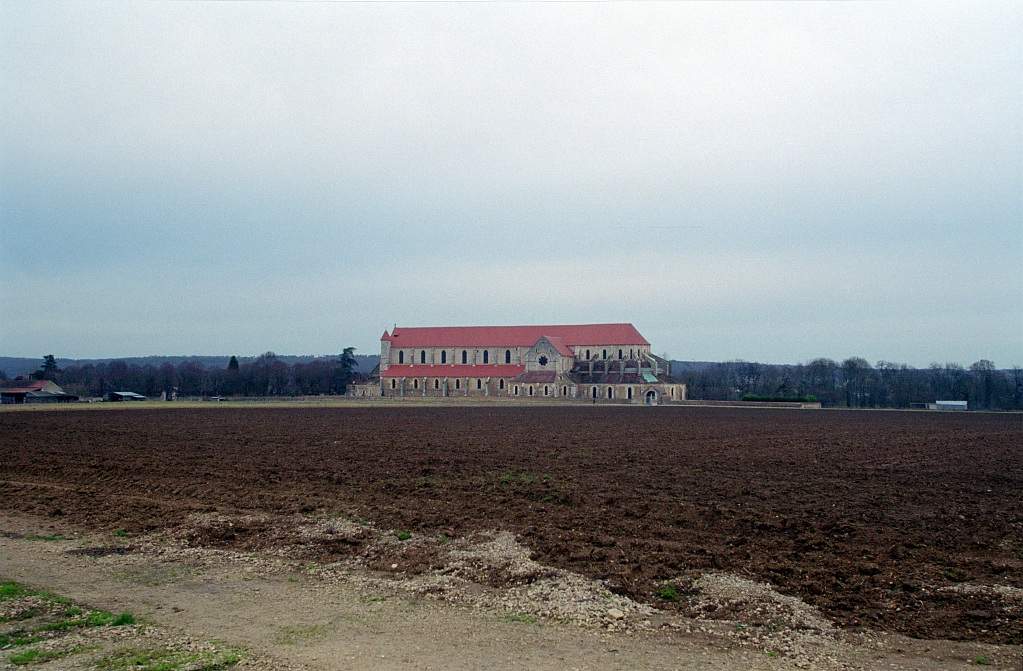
(516, 326)
(617, 333)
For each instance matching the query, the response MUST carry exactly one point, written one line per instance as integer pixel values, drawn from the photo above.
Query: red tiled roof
(561, 347)
(515, 336)
(448, 370)
(26, 386)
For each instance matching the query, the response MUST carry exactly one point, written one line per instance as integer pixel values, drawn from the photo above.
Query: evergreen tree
(49, 370)
(347, 364)
(232, 381)
(348, 360)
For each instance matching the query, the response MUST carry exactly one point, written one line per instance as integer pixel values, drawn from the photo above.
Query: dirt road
(295, 619)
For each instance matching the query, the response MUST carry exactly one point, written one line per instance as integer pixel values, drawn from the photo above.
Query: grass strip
(166, 659)
(37, 656)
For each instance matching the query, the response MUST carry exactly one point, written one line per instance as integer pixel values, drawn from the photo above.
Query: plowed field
(908, 522)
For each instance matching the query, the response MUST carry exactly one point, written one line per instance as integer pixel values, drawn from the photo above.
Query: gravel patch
(1007, 592)
(493, 573)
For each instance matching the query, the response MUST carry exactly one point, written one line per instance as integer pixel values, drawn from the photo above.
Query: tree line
(854, 383)
(266, 375)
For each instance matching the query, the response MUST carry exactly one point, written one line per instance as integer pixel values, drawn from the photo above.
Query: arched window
(546, 391)
(415, 383)
(465, 356)
(632, 354)
(610, 392)
(564, 391)
(401, 357)
(594, 392)
(530, 390)
(516, 390)
(620, 355)
(587, 355)
(486, 356)
(479, 383)
(628, 393)
(436, 383)
(507, 356)
(422, 356)
(394, 383)
(458, 383)
(673, 392)
(500, 384)
(444, 356)
(605, 354)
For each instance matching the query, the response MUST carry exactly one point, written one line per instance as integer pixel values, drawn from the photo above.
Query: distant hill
(14, 366)
(691, 366)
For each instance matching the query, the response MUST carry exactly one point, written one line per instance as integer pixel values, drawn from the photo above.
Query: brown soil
(870, 516)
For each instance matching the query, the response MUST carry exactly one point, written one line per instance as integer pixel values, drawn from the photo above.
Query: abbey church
(592, 362)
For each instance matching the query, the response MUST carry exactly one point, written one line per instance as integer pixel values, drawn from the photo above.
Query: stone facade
(523, 362)
(482, 356)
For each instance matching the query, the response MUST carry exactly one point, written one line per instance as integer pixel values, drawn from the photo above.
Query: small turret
(385, 350)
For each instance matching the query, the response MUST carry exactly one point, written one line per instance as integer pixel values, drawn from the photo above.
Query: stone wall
(453, 355)
(472, 387)
(632, 393)
(409, 387)
(475, 355)
(369, 390)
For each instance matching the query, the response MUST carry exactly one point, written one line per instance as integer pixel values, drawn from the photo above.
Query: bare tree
(983, 378)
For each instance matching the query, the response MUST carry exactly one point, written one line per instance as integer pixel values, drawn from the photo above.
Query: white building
(947, 405)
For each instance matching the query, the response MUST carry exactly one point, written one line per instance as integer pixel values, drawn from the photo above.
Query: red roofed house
(595, 362)
(34, 391)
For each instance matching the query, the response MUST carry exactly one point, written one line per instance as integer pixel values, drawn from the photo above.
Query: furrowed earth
(904, 522)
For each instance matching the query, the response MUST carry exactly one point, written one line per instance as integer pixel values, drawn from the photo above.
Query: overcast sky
(761, 181)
